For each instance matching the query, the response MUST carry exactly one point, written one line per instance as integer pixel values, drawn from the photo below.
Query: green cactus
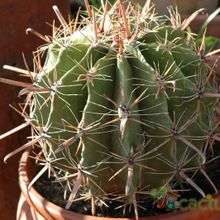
(124, 104)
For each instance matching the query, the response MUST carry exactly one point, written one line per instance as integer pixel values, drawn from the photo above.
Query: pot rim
(52, 211)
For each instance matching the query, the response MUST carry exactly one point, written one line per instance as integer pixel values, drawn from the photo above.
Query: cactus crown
(123, 105)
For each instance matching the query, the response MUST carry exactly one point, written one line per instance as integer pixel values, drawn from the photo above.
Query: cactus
(123, 104)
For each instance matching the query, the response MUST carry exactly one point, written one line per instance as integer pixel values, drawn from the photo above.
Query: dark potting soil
(54, 192)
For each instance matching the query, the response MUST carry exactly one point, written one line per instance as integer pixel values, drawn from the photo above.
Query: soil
(54, 192)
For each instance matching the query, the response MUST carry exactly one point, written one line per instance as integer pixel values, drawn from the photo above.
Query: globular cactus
(124, 103)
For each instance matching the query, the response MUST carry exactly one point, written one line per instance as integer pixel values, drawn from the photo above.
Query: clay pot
(32, 206)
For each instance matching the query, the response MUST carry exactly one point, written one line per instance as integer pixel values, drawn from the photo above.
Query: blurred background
(185, 6)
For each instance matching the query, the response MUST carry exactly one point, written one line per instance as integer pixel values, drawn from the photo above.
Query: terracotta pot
(32, 206)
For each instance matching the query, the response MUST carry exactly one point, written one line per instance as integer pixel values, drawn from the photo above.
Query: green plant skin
(90, 83)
